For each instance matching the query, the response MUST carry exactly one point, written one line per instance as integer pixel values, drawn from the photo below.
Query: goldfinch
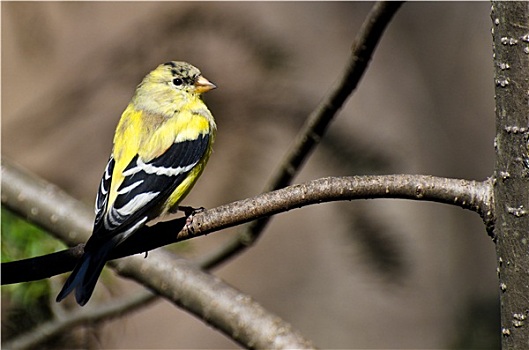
(161, 145)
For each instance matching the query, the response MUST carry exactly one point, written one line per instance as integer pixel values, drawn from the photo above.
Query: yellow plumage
(161, 145)
(144, 134)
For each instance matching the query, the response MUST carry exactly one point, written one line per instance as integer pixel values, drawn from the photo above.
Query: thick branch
(202, 294)
(211, 299)
(470, 195)
(45, 204)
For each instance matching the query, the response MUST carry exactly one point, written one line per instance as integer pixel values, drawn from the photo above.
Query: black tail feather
(85, 275)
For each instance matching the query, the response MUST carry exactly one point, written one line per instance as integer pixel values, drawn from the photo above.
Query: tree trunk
(511, 178)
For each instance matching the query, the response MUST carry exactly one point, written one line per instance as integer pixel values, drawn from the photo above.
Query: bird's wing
(145, 184)
(104, 190)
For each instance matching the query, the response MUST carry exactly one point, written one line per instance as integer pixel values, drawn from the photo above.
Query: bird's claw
(190, 212)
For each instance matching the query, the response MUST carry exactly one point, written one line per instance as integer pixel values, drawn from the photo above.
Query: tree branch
(50, 329)
(318, 121)
(201, 294)
(212, 300)
(225, 308)
(184, 284)
(472, 195)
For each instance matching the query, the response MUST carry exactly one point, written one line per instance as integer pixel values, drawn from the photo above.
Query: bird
(161, 145)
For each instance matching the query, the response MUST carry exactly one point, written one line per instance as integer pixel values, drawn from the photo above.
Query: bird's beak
(203, 85)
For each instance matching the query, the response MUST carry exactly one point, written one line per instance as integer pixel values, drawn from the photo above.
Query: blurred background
(370, 274)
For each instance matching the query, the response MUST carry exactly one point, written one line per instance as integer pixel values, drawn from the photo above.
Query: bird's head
(182, 76)
(172, 83)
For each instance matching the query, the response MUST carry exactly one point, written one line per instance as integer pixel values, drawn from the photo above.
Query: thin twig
(317, 122)
(107, 311)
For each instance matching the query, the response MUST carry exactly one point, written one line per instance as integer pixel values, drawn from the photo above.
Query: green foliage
(22, 240)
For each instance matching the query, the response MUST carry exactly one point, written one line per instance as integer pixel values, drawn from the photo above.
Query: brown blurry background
(370, 274)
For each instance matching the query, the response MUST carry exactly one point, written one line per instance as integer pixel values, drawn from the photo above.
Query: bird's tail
(85, 275)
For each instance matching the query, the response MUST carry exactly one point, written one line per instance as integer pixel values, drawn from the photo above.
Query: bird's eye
(177, 81)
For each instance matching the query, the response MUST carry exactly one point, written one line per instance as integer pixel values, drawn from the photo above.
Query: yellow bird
(161, 145)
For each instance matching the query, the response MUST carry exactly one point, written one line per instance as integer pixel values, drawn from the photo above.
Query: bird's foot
(189, 212)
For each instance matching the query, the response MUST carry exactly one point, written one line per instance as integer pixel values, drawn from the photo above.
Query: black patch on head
(182, 73)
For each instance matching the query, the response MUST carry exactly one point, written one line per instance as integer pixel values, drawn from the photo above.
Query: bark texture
(511, 181)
